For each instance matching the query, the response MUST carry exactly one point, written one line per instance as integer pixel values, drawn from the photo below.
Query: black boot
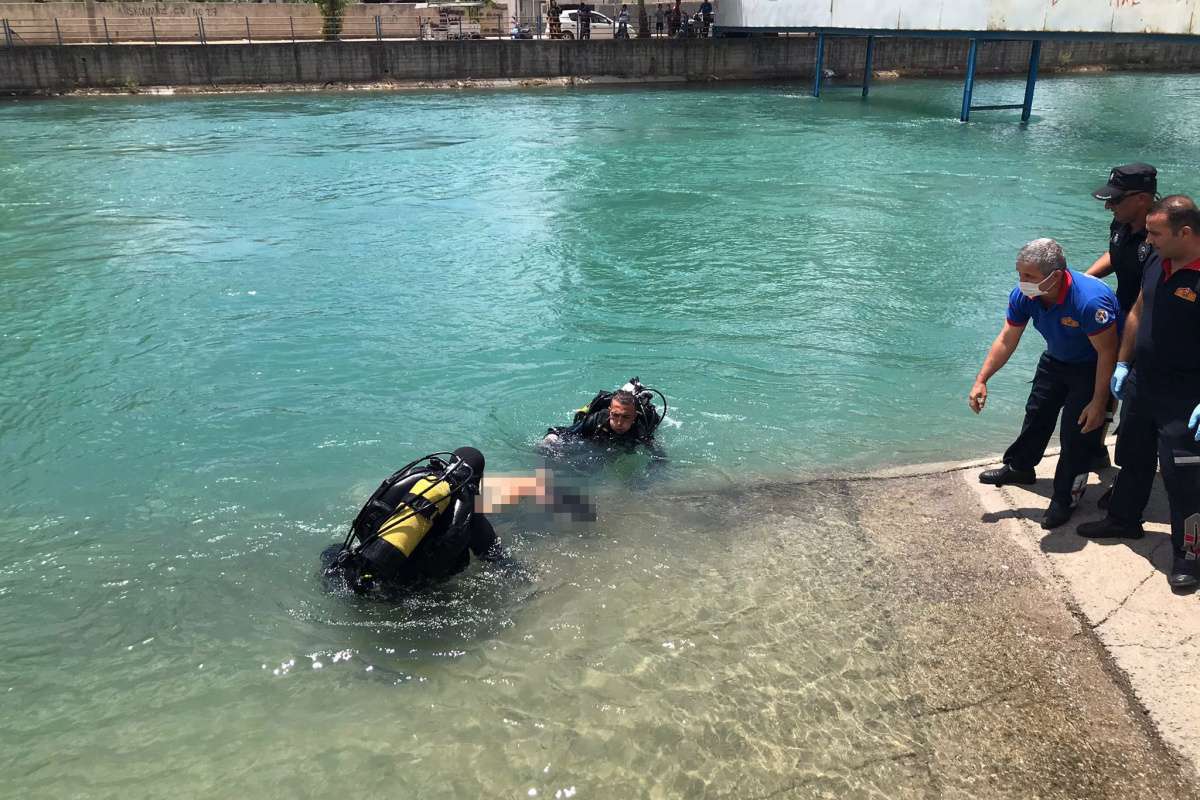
(1006, 474)
(1109, 528)
(1184, 573)
(1057, 514)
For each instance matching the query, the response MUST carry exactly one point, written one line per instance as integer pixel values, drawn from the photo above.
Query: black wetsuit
(595, 428)
(440, 555)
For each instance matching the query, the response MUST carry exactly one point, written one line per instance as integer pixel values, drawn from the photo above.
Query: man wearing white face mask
(1080, 320)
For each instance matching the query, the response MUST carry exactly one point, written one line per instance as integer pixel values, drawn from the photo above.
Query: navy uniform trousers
(1154, 429)
(1058, 386)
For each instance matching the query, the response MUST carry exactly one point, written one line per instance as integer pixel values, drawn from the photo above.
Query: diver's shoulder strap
(420, 504)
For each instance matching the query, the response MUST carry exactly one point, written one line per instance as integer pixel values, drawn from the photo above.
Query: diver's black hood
(473, 459)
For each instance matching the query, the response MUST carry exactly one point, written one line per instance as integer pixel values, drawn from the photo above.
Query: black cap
(1127, 179)
(472, 458)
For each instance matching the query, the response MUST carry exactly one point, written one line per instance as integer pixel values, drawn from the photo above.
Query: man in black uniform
(1162, 345)
(1128, 194)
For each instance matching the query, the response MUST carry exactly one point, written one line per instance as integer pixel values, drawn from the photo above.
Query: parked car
(602, 27)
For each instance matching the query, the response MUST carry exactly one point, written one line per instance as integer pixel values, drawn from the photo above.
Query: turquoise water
(225, 319)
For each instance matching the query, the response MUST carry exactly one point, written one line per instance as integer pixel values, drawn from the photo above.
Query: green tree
(331, 11)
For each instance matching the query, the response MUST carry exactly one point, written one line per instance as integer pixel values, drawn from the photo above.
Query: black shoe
(1184, 573)
(1109, 528)
(1106, 498)
(1057, 514)
(1006, 474)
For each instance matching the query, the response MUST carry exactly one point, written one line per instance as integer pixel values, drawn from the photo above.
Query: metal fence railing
(204, 30)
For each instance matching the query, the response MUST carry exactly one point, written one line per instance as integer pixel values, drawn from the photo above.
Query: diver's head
(622, 411)
(473, 459)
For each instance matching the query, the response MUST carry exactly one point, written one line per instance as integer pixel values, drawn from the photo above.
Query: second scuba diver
(626, 417)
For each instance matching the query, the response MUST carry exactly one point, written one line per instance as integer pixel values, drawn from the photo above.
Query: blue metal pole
(867, 68)
(1035, 54)
(820, 65)
(969, 83)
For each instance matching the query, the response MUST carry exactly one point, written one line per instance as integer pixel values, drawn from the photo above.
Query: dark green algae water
(225, 319)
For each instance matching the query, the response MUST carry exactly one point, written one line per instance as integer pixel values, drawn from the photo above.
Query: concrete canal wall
(35, 69)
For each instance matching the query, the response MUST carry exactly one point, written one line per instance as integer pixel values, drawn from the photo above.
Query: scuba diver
(425, 520)
(626, 417)
(419, 526)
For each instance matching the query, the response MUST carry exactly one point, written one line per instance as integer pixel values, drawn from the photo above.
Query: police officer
(1162, 392)
(1128, 194)
(1078, 317)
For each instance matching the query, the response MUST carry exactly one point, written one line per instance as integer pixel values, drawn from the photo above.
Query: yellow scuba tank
(404, 530)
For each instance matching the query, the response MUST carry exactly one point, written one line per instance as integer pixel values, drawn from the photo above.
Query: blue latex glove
(1117, 384)
(1194, 422)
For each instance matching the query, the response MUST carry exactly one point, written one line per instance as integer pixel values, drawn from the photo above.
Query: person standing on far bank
(584, 15)
(623, 23)
(1158, 378)
(1078, 317)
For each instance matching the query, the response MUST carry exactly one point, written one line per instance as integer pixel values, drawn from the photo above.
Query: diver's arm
(580, 430)
(485, 544)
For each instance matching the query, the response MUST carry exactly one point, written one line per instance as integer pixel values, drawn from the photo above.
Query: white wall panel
(966, 15)
(1084, 15)
(921, 16)
(1172, 17)
(867, 15)
(1090, 16)
(1018, 15)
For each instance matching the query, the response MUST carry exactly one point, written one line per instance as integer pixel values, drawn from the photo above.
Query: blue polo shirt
(1085, 307)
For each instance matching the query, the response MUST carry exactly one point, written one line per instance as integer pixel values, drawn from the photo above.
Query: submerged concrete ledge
(49, 69)
(1116, 589)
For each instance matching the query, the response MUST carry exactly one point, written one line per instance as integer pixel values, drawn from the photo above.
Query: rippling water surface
(224, 319)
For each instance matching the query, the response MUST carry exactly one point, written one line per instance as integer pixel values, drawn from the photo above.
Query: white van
(602, 27)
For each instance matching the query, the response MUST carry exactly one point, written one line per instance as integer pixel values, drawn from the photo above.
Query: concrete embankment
(37, 69)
